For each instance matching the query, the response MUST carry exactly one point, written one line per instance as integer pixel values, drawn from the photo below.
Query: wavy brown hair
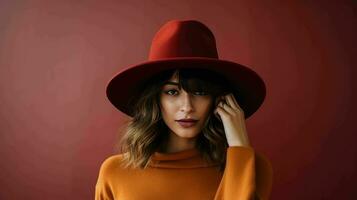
(146, 132)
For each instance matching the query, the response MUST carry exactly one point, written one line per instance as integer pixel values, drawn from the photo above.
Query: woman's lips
(187, 124)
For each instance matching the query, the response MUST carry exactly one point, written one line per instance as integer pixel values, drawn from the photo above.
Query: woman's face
(177, 104)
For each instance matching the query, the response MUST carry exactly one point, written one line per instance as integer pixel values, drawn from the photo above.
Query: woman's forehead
(175, 76)
(175, 79)
(171, 83)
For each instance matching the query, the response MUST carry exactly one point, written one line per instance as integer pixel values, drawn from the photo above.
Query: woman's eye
(171, 92)
(174, 92)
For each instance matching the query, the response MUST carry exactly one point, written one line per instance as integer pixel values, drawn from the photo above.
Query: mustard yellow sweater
(186, 176)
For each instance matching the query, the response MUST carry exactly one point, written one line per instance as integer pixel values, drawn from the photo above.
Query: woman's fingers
(233, 106)
(230, 101)
(221, 110)
(226, 107)
(229, 104)
(235, 101)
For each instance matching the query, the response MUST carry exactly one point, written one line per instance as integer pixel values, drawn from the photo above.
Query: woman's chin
(187, 134)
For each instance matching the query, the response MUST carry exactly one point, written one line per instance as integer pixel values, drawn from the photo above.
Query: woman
(187, 137)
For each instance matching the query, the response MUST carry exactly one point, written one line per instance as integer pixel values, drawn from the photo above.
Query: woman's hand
(232, 117)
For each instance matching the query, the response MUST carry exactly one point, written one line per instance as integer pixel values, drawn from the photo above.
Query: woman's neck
(175, 143)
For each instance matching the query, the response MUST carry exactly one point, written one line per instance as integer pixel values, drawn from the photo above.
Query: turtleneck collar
(188, 153)
(190, 158)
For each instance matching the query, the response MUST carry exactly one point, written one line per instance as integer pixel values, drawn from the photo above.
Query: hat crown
(183, 38)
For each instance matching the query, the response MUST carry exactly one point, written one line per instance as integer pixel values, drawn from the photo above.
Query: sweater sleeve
(103, 189)
(247, 176)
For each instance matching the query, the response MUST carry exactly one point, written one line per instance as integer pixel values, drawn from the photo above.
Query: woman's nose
(186, 102)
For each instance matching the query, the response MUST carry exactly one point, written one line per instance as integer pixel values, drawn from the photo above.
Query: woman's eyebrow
(171, 83)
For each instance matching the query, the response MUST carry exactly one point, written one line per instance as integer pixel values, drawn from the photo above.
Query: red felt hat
(185, 44)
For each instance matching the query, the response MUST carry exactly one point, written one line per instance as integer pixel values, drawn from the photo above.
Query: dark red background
(56, 125)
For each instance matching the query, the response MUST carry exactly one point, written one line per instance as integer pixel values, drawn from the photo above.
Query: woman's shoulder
(111, 163)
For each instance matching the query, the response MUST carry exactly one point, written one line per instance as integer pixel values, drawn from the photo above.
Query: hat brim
(250, 88)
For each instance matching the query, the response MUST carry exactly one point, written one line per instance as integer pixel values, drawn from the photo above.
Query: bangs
(200, 80)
